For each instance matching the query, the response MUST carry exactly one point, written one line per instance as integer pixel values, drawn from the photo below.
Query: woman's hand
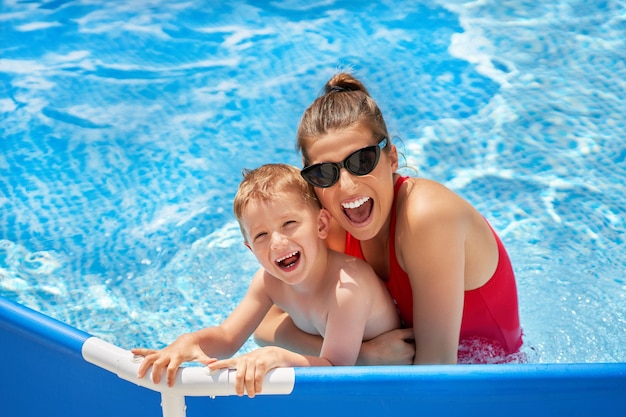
(184, 349)
(395, 347)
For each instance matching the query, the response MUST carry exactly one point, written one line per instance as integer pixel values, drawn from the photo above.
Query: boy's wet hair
(269, 183)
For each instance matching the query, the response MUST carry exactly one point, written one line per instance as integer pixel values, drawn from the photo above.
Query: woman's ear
(323, 223)
(393, 157)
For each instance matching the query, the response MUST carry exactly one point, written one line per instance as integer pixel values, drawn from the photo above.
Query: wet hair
(269, 183)
(343, 103)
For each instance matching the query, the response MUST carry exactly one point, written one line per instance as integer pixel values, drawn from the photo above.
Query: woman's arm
(395, 347)
(278, 329)
(431, 238)
(392, 348)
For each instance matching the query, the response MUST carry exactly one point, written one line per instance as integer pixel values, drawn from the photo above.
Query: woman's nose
(346, 180)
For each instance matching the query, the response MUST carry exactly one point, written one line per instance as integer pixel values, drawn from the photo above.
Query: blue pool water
(124, 127)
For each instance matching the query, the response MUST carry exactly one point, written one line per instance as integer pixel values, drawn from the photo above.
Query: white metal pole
(173, 405)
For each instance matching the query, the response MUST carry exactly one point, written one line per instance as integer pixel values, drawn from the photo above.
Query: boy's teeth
(287, 256)
(356, 203)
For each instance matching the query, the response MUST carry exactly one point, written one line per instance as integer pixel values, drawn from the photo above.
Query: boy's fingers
(142, 351)
(223, 364)
(258, 382)
(172, 368)
(171, 376)
(156, 373)
(206, 360)
(143, 367)
(141, 371)
(209, 361)
(158, 367)
(240, 377)
(251, 381)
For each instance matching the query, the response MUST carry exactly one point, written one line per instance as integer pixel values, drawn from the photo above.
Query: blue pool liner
(46, 373)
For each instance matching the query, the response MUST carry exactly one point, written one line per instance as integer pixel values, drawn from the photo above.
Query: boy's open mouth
(358, 211)
(289, 261)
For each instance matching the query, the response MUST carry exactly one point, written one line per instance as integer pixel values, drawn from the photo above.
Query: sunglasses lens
(363, 161)
(321, 175)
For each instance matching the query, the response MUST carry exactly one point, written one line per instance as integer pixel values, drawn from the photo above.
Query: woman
(442, 262)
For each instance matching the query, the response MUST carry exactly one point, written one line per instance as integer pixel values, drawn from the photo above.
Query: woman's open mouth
(289, 261)
(358, 211)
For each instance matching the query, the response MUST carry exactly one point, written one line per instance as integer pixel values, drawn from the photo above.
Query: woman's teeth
(356, 203)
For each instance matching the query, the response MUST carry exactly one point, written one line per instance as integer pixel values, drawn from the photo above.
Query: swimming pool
(125, 128)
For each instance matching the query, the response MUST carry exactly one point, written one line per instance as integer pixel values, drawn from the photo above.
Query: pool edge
(46, 374)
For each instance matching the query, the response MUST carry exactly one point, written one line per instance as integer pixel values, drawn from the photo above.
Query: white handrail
(190, 381)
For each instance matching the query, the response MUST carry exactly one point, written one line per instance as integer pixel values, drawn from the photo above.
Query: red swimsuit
(489, 312)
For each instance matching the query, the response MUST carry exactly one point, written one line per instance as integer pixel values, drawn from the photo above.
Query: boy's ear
(247, 245)
(323, 223)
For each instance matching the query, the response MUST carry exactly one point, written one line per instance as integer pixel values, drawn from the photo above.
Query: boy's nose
(278, 239)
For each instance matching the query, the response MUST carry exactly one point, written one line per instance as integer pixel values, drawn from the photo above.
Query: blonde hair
(269, 183)
(345, 102)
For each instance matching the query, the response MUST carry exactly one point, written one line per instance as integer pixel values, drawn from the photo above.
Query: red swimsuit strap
(392, 227)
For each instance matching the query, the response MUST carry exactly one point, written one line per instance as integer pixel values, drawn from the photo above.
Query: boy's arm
(348, 313)
(213, 342)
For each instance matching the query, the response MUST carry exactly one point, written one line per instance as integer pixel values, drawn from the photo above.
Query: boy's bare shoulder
(347, 264)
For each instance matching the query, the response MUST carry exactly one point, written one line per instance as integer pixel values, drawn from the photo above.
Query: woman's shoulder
(428, 195)
(429, 217)
(426, 203)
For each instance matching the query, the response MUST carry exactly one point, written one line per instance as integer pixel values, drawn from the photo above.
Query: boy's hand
(252, 367)
(184, 349)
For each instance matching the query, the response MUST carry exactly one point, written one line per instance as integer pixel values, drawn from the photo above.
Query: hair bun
(344, 82)
(337, 89)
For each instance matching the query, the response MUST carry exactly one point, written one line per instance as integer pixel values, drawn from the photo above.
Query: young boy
(326, 293)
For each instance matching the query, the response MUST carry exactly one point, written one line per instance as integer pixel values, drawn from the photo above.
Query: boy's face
(284, 234)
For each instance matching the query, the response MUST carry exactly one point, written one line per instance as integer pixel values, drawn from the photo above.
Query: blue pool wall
(44, 374)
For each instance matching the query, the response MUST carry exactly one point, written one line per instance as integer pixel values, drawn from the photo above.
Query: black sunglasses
(360, 162)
